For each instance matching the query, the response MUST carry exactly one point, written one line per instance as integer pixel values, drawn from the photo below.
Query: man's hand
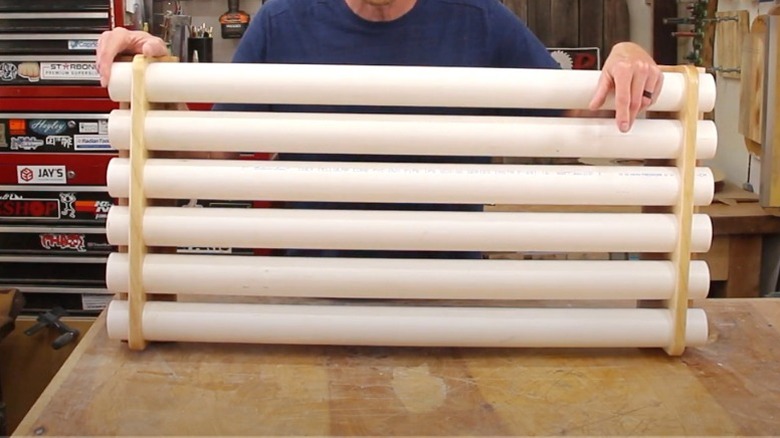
(123, 41)
(636, 79)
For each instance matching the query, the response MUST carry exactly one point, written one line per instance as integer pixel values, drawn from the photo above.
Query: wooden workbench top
(731, 386)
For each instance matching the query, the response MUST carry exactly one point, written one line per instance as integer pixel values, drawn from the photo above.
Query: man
(479, 33)
(463, 33)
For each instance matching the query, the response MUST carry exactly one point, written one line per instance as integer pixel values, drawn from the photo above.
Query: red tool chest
(54, 151)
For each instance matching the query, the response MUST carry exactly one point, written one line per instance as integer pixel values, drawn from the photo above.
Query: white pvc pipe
(408, 230)
(385, 85)
(406, 134)
(405, 326)
(407, 278)
(409, 182)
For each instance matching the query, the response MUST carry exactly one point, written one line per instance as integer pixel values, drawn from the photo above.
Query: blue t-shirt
(465, 33)
(449, 33)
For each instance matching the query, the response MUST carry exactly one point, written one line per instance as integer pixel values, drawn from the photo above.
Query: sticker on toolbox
(65, 206)
(64, 241)
(95, 301)
(75, 242)
(203, 250)
(88, 128)
(30, 208)
(17, 126)
(99, 208)
(41, 175)
(35, 169)
(26, 143)
(3, 141)
(49, 126)
(68, 71)
(26, 71)
(89, 45)
(8, 71)
(63, 141)
(91, 142)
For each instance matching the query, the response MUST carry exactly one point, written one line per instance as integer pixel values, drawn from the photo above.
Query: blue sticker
(48, 126)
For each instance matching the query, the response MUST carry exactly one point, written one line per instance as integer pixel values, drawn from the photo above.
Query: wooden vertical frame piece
(751, 96)
(519, 7)
(683, 209)
(769, 195)
(564, 23)
(730, 34)
(616, 26)
(139, 106)
(591, 24)
(708, 39)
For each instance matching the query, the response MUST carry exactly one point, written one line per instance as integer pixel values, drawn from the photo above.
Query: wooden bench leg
(3, 415)
(744, 266)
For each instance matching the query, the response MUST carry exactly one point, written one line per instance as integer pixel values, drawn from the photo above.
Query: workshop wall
(733, 158)
(208, 12)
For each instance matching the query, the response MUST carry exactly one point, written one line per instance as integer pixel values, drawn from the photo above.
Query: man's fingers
(651, 85)
(639, 85)
(110, 44)
(602, 90)
(659, 83)
(655, 80)
(106, 51)
(154, 47)
(120, 40)
(623, 75)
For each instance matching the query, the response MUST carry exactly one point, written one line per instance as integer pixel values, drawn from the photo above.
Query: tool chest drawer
(55, 6)
(55, 16)
(47, 133)
(39, 205)
(48, 47)
(54, 169)
(54, 22)
(33, 69)
(51, 42)
(72, 271)
(54, 241)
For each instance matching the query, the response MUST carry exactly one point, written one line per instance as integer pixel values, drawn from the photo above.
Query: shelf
(58, 91)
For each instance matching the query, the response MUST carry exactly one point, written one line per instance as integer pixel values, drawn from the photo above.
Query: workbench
(729, 387)
(735, 258)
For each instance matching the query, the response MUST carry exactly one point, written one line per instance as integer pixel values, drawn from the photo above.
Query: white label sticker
(103, 127)
(88, 127)
(82, 44)
(41, 175)
(95, 301)
(91, 142)
(69, 71)
(203, 250)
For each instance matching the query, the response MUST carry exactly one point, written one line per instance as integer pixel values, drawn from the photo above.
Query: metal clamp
(724, 70)
(52, 319)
